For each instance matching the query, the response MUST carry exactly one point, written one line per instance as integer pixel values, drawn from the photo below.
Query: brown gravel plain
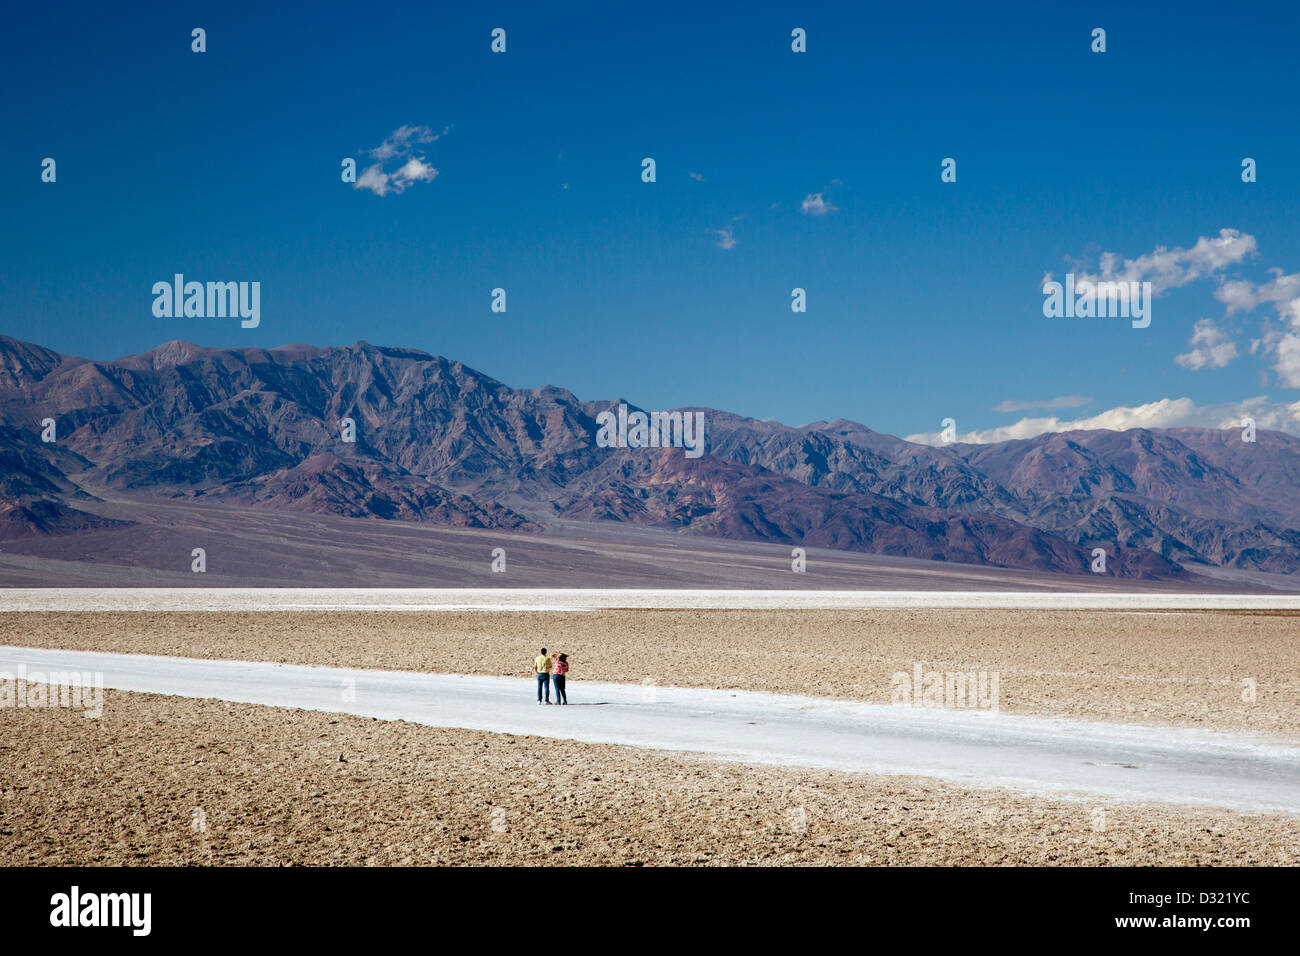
(164, 780)
(1172, 668)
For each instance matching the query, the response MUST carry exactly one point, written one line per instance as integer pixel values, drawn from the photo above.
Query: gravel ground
(164, 780)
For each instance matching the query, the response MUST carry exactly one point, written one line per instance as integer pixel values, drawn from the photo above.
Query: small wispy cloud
(1062, 401)
(815, 204)
(698, 177)
(726, 237)
(399, 162)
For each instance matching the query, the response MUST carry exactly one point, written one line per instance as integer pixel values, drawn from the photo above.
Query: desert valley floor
(275, 785)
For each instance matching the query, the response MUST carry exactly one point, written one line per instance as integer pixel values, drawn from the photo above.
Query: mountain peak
(22, 363)
(173, 353)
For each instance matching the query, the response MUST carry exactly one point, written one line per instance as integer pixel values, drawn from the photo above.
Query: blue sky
(923, 297)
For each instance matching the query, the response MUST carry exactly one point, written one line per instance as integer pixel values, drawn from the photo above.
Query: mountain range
(437, 442)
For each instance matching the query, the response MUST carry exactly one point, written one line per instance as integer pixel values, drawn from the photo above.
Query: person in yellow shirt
(542, 666)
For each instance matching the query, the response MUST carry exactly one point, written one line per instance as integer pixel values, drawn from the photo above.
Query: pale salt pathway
(972, 748)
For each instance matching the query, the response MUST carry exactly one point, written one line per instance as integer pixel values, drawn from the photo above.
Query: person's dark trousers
(544, 684)
(560, 698)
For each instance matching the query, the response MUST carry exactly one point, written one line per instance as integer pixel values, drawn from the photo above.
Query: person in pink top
(559, 672)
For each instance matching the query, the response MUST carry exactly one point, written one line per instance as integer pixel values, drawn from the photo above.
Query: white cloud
(399, 141)
(381, 183)
(814, 205)
(1283, 292)
(726, 237)
(1242, 296)
(698, 177)
(1166, 413)
(1167, 268)
(1210, 347)
(400, 146)
(374, 179)
(1238, 295)
(416, 170)
(1287, 351)
(1063, 401)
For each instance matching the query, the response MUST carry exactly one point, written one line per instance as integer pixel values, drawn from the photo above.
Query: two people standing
(547, 668)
